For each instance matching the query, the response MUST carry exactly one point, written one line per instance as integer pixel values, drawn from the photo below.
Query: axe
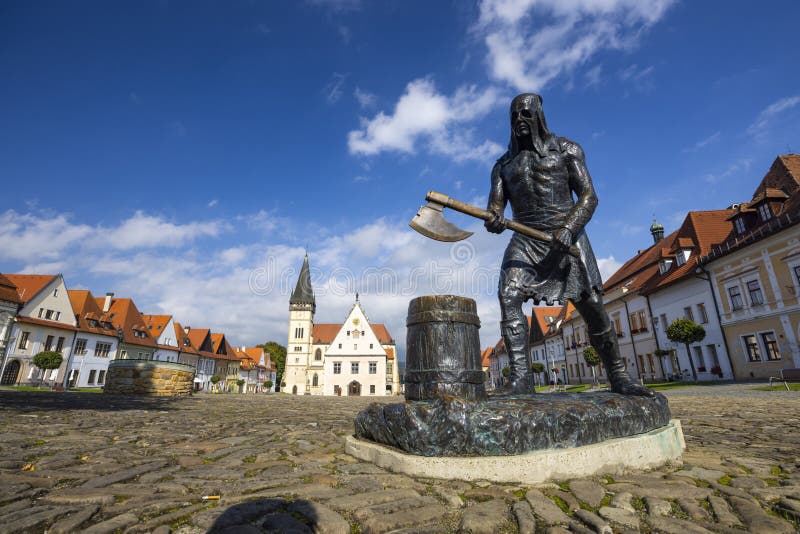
(430, 222)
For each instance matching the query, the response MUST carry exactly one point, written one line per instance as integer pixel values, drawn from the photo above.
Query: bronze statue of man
(538, 176)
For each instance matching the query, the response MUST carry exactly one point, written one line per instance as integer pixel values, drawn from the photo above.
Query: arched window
(318, 354)
(315, 380)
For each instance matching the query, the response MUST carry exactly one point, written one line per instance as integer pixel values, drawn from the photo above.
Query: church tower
(301, 323)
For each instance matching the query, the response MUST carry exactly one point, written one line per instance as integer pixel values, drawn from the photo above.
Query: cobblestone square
(98, 463)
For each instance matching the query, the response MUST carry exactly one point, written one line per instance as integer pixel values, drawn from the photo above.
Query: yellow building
(756, 275)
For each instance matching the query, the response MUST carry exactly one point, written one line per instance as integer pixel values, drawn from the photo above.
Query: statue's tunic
(540, 190)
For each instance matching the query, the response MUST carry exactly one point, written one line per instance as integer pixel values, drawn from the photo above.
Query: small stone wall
(145, 377)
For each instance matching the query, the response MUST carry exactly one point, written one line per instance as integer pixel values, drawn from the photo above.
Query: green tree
(686, 331)
(506, 372)
(537, 368)
(592, 359)
(47, 360)
(268, 385)
(215, 378)
(277, 353)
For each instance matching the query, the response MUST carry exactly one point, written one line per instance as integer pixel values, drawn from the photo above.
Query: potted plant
(267, 386)
(214, 380)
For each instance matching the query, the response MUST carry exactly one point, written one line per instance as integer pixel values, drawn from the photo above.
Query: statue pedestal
(642, 451)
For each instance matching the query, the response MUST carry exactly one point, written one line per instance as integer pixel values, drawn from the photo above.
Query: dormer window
(764, 212)
(664, 266)
(738, 224)
(682, 256)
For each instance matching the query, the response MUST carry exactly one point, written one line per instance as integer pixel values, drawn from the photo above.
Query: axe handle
(477, 212)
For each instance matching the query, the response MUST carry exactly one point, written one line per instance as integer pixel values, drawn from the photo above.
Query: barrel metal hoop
(445, 377)
(442, 316)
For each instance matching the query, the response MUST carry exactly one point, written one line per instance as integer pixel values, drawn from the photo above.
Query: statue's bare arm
(497, 202)
(581, 184)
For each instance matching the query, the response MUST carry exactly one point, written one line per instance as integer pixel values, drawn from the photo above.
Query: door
(354, 389)
(10, 373)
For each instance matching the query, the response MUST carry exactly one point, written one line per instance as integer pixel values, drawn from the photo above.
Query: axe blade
(430, 222)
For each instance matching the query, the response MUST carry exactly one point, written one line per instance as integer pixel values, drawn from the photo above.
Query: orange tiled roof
(324, 333)
(125, 315)
(156, 323)
(637, 270)
(487, 352)
(29, 285)
(389, 353)
(706, 229)
(85, 307)
(44, 322)
(183, 339)
(8, 291)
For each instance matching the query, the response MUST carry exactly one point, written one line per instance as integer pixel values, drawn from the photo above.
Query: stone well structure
(148, 377)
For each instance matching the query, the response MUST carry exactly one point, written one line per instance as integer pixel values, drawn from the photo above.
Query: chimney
(186, 329)
(107, 303)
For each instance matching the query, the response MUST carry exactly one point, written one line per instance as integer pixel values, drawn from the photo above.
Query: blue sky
(187, 153)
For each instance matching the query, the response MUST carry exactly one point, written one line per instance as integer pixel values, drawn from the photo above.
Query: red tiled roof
(637, 270)
(706, 229)
(85, 307)
(44, 322)
(125, 315)
(29, 285)
(487, 352)
(324, 333)
(390, 354)
(156, 324)
(181, 337)
(8, 291)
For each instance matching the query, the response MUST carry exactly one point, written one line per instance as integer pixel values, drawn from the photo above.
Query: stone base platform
(615, 456)
(510, 424)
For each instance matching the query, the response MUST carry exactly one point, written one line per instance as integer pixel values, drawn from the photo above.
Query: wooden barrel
(443, 351)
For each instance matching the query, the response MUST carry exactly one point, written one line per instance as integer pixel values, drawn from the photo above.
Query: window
(340, 345)
(337, 368)
(735, 295)
(355, 334)
(765, 212)
(771, 346)
(101, 377)
(370, 345)
(58, 315)
(48, 343)
(650, 362)
(701, 311)
(634, 323)
(123, 354)
(80, 346)
(348, 333)
(298, 348)
(738, 224)
(318, 354)
(48, 314)
(373, 368)
(355, 346)
(315, 380)
(756, 296)
(680, 258)
(41, 312)
(698, 358)
(664, 266)
(59, 344)
(642, 321)
(664, 322)
(92, 375)
(298, 333)
(353, 368)
(101, 350)
(712, 352)
(797, 273)
(23, 341)
(372, 389)
(55, 292)
(687, 312)
(751, 345)
(617, 324)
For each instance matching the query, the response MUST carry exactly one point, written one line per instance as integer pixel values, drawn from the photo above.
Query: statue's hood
(532, 103)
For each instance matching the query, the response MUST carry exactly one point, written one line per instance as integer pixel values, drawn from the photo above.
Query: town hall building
(353, 358)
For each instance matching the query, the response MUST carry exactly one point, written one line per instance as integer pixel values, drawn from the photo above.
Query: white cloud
(333, 89)
(345, 34)
(532, 42)
(594, 76)
(32, 238)
(213, 203)
(365, 99)
(770, 113)
(702, 143)
(144, 231)
(738, 166)
(608, 266)
(423, 112)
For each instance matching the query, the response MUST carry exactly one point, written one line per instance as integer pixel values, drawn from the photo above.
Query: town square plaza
(83, 462)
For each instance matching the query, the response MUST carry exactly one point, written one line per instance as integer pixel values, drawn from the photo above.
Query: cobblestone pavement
(122, 464)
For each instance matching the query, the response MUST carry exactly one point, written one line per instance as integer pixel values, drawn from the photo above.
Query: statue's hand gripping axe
(430, 222)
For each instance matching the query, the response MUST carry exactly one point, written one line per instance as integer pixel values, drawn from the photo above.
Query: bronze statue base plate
(509, 424)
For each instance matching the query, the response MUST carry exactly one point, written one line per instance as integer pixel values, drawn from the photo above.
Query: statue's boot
(516, 337)
(605, 343)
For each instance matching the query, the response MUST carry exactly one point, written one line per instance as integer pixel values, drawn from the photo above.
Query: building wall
(637, 344)
(670, 304)
(371, 384)
(770, 262)
(298, 349)
(88, 363)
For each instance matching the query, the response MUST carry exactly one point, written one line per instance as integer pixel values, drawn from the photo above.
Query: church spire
(303, 293)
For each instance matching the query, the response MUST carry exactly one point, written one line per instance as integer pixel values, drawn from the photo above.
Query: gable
(50, 302)
(351, 338)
